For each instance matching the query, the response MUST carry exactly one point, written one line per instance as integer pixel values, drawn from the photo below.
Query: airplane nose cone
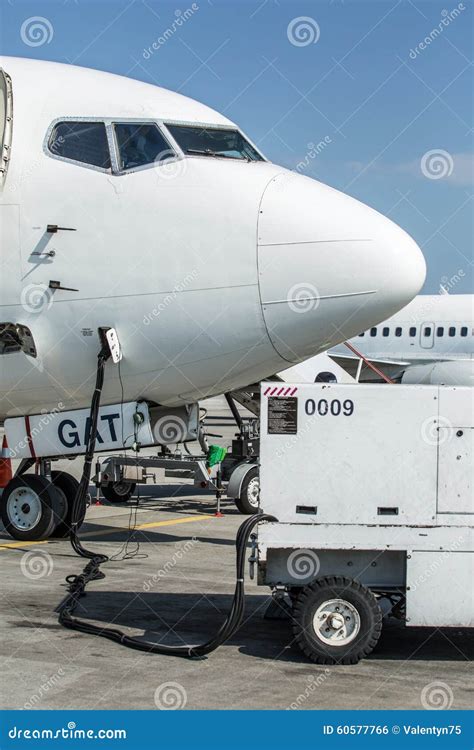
(329, 266)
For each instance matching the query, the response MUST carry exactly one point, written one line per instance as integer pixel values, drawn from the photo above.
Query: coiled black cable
(92, 572)
(77, 583)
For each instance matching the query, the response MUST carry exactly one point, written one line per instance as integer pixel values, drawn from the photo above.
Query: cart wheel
(118, 492)
(67, 487)
(336, 620)
(30, 507)
(249, 493)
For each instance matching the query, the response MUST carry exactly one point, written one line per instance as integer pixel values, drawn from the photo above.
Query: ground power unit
(372, 486)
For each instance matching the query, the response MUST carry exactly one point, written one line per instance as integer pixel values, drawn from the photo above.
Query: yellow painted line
(108, 532)
(172, 521)
(19, 545)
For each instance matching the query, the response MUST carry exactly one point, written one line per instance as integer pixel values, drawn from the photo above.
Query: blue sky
(393, 117)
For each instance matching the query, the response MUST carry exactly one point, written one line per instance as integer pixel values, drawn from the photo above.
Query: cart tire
(336, 620)
(248, 501)
(118, 492)
(67, 486)
(30, 507)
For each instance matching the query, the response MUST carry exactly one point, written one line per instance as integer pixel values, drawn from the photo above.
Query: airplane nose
(329, 266)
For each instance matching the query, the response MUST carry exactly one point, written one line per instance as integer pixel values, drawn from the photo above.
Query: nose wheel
(336, 620)
(248, 500)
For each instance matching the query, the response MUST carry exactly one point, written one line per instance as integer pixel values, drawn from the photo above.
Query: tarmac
(170, 578)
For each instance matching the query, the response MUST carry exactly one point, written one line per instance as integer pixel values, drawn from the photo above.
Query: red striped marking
(293, 391)
(266, 390)
(29, 438)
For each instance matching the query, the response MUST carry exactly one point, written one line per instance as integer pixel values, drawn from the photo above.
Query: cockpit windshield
(208, 141)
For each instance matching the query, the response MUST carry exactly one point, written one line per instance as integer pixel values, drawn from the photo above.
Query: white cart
(373, 490)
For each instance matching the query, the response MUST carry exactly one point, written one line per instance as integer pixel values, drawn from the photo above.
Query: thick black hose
(91, 572)
(80, 498)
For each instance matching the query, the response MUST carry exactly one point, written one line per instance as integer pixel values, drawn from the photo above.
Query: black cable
(92, 572)
(79, 503)
(77, 583)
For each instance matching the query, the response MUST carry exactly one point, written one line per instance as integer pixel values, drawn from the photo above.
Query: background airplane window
(464, 331)
(362, 334)
(373, 331)
(427, 332)
(398, 331)
(200, 141)
(412, 331)
(385, 331)
(440, 331)
(81, 141)
(452, 331)
(140, 144)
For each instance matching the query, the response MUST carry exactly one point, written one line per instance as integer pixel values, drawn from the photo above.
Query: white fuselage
(215, 272)
(430, 340)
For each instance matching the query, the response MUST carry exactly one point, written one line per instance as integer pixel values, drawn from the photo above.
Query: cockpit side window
(200, 140)
(84, 142)
(139, 144)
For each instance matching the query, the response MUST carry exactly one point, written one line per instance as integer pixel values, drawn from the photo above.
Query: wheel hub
(24, 508)
(253, 491)
(336, 622)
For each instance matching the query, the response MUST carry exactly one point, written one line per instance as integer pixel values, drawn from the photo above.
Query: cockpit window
(208, 141)
(85, 142)
(140, 144)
